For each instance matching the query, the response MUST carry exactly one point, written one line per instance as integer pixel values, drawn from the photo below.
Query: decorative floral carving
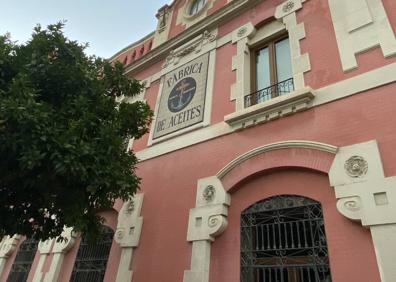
(352, 204)
(130, 207)
(188, 50)
(175, 56)
(119, 234)
(214, 220)
(356, 166)
(209, 193)
(241, 32)
(208, 36)
(288, 6)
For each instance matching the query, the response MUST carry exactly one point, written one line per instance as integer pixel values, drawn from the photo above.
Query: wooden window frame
(254, 50)
(194, 7)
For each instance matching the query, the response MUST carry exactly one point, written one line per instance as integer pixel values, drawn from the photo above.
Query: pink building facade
(270, 157)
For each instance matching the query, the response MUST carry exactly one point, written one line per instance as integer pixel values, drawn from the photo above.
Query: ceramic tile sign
(182, 101)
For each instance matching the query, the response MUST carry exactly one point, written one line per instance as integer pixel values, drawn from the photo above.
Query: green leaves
(63, 137)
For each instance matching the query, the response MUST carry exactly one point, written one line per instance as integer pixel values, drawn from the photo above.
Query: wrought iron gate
(23, 261)
(91, 261)
(283, 240)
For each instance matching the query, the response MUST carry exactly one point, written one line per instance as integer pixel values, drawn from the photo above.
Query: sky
(107, 25)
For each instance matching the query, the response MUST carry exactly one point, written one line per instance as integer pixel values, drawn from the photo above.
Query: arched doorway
(283, 240)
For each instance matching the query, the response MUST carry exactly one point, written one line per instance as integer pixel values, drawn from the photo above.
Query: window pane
(196, 6)
(263, 79)
(283, 60)
(283, 239)
(91, 261)
(23, 261)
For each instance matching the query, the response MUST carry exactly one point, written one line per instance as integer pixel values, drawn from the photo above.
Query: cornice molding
(131, 46)
(276, 146)
(220, 16)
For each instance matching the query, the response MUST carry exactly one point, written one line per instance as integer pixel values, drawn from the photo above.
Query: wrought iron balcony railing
(270, 92)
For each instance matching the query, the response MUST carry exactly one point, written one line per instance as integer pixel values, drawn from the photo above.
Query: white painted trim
(184, 140)
(157, 104)
(360, 83)
(276, 146)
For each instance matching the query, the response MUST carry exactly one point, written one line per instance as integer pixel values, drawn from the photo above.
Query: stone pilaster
(127, 235)
(44, 247)
(59, 251)
(207, 221)
(7, 247)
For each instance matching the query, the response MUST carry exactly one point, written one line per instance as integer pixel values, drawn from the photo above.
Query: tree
(63, 136)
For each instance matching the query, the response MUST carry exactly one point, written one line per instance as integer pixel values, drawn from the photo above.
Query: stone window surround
(247, 37)
(189, 5)
(183, 14)
(363, 194)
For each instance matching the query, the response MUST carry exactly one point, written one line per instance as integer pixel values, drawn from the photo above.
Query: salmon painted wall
(169, 183)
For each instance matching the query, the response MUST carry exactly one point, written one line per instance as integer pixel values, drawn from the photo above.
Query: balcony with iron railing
(281, 88)
(273, 102)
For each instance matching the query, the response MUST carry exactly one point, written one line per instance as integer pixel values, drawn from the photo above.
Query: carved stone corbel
(365, 194)
(127, 235)
(59, 250)
(206, 221)
(7, 247)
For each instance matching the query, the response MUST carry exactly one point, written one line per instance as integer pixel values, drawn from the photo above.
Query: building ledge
(293, 102)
